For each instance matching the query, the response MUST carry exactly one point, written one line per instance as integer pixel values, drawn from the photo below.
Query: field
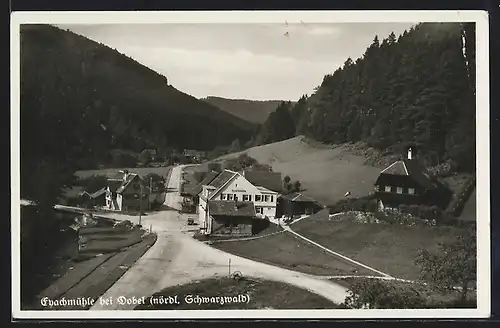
(262, 294)
(287, 251)
(390, 248)
(326, 172)
(113, 172)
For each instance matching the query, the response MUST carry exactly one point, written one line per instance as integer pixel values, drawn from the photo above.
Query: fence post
(229, 267)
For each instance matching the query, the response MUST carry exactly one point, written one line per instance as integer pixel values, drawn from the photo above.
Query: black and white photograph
(281, 164)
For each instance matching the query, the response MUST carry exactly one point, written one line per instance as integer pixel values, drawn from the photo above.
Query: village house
(127, 194)
(296, 203)
(230, 218)
(406, 182)
(233, 187)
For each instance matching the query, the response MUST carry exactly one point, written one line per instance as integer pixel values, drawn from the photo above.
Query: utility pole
(150, 191)
(140, 206)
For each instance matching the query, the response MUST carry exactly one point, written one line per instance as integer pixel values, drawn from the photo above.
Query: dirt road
(177, 258)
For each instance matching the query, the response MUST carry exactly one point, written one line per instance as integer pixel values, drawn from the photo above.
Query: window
(399, 190)
(272, 199)
(223, 196)
(259, 210)
(377, 188)
(258, 198)
(235, 197)
(230, 197)
(247, 198)
(266, 198)
(411, 191)
(387, 188)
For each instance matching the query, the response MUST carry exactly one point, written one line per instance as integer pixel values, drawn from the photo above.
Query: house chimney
(409, 153)
(125, 174)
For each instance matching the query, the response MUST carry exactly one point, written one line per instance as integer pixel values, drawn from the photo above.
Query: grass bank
(390, 248)
(261, 294)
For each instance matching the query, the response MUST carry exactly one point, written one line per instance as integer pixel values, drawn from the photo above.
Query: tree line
(416, 89)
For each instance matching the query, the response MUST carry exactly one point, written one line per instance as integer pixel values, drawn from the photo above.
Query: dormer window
(399, 190)
(387, 188)
(411, 191)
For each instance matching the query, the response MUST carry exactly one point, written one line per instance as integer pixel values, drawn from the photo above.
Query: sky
(241, 61)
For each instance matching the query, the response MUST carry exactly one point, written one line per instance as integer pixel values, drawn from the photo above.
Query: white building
(233, 187)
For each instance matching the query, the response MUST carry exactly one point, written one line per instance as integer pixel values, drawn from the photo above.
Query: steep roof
(222, 179)
(410, 167)
(298, 197)
(98, 193)
(419, 174)
(266, 179)
(228, 208)
(131, 177)
(206, 181)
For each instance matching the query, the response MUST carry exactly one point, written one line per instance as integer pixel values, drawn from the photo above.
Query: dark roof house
(410, 168)
(297, 203)
(407, 182)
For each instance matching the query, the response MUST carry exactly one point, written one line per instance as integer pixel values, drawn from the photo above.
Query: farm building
(297, 204)
(230, 218)
(406, 182)
(127, 193)
(230, 187)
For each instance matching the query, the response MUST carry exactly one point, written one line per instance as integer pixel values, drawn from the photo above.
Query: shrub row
(457, 204)
(363, 204)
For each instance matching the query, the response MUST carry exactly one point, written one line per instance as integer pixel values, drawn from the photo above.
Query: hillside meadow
(326, 172)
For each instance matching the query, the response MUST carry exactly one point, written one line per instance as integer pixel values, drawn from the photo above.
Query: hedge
(458, 203)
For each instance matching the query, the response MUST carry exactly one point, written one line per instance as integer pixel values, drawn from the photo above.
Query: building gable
(131, 185)
(236, 185)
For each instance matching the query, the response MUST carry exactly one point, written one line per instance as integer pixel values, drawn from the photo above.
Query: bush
(364, 204)
(456, 206)
(377, 294)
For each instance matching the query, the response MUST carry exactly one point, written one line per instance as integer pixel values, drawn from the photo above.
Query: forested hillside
(415, 89)
(81, 99)
(254, 111)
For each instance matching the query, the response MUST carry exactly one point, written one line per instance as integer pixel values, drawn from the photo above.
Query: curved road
(176, 258)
